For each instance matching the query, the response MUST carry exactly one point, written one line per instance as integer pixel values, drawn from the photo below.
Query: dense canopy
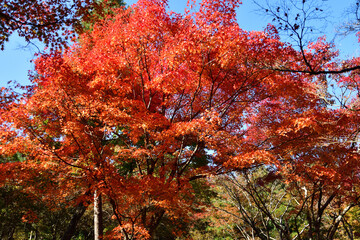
(149, 101)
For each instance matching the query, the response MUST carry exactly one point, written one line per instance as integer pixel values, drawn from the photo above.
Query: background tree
(261, 204)
(295, 19)
(52, 22)
(352, 26)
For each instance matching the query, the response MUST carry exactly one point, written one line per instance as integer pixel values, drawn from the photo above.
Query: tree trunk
(79, 212)
(98, 218)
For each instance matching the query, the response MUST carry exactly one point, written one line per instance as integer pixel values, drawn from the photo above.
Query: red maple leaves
(148, 101)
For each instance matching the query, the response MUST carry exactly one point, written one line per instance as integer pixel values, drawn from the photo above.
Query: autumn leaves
(148, 101)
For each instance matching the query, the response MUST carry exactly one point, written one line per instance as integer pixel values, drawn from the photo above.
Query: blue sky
(15, 60)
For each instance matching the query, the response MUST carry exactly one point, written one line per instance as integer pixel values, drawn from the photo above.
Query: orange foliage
(150, 100)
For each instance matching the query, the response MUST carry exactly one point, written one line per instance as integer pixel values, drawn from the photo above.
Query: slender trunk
(155, 221)
(79, 212)
(98, 218)
(11, 234)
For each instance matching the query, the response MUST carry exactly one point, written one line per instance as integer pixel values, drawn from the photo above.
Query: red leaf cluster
(150, 100)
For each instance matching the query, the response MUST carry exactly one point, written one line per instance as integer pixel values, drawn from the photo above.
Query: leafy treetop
(149, 101)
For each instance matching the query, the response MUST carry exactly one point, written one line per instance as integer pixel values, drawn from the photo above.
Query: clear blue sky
(15, 60)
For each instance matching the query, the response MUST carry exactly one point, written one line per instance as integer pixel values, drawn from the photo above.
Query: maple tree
(52, 22)
(260, 203)
(150, 100)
